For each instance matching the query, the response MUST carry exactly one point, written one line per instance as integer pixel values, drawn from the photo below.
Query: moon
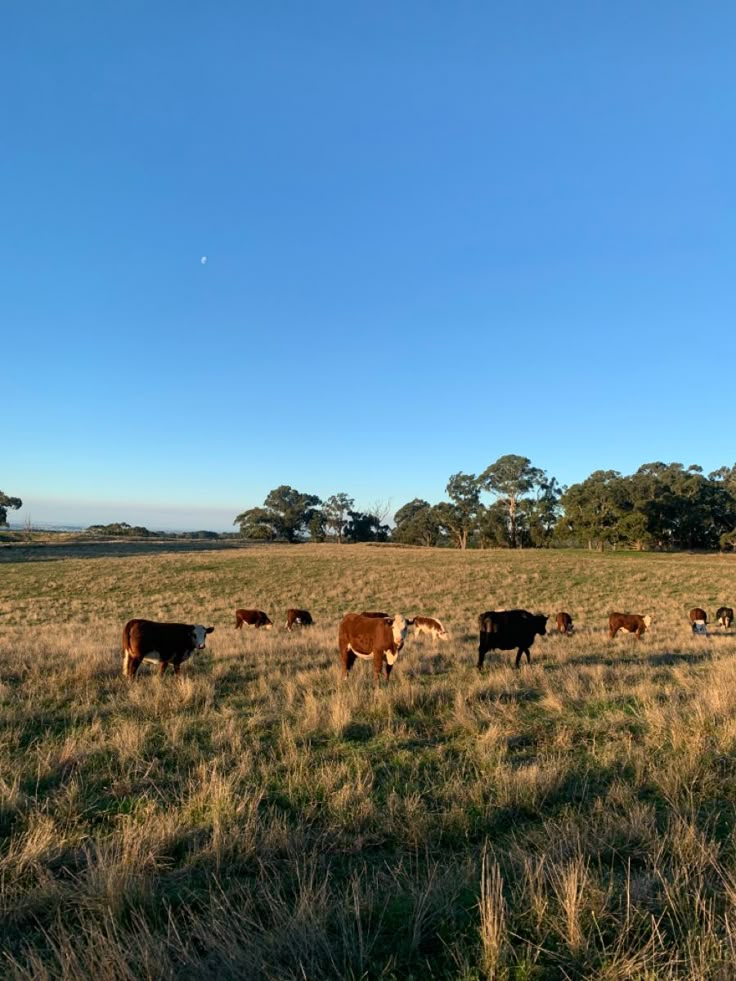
(203, 260)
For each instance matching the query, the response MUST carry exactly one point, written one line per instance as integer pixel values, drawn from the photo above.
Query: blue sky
(436, 233)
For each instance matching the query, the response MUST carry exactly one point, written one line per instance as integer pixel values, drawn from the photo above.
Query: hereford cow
(433, 628)
(160, 643)
(504, 630)
(628, 623)
(724, 616)
(377, 639)
(252, 618)
(698, 620)
(299, 618)
(564, 623)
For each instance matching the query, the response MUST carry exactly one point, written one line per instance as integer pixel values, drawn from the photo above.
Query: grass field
(261, 818)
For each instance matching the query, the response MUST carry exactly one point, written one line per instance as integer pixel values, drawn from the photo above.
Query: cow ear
(209, 630)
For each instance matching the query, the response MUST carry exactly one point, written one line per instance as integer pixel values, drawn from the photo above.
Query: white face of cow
(399, 628)
(647, 621)
(200, 635)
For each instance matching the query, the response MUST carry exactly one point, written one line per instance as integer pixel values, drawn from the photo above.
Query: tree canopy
(7, 504)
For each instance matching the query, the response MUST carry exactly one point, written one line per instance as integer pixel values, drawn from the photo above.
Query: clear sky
(435, 233)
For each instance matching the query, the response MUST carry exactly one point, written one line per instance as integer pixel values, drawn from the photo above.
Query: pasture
(261, 818)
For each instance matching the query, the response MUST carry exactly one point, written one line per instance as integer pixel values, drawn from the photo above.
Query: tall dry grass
(261, 818)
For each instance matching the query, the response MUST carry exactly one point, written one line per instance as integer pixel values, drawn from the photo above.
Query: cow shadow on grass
(659, 659)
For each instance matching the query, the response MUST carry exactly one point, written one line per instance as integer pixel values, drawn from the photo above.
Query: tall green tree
(7, 504)
(363, 527)
(285, 514)
(510, 479)
(459, 517)
(416, 523)
(335, 511)
(594, 510)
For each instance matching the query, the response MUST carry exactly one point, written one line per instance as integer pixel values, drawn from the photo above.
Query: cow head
(540, 624)
(200, 635)
(648, 621)
(399, 626)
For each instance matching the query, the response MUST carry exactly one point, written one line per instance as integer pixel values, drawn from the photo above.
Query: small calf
(372, 639)
(628, 623)
(160, 643)
(299, 618)
(564, 623)
(698, 620)
(252, 618)
(430, 626)
(724, 616)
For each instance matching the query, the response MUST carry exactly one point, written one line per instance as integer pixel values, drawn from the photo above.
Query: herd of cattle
(376, 636)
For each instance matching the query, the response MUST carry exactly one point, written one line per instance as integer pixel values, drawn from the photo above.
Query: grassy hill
(260, 818)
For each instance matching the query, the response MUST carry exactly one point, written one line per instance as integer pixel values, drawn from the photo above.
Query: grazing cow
(372, 638)
(698, 620)
(160, 643)
(252, 618)
(628, 623)
(504, 630)
(376, 616)
(302, 618)
(564, 623)
(724, 616)
(430, 626)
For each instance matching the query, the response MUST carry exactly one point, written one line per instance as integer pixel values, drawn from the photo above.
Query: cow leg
(612, 633)
(133, 664)
(348, 660)
(377, 668)
(389, 669)
(481, 657)
(162, 667)
(520, 654)
(177, 668)
(238, 623)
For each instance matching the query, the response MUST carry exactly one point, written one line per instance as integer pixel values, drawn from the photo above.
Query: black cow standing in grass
(504, 630)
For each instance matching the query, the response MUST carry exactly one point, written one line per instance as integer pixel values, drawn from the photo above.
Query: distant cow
(564, 623)
(299, 618)
(506, 629)
(628, 623)
(698, 620)
(160, 643)
(377, 639)
(724, 616)
(433, 628)
(252, 618)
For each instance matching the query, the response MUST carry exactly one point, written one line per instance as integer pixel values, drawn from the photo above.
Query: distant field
(259, 818)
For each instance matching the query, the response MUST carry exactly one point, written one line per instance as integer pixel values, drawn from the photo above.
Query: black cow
(504, 630)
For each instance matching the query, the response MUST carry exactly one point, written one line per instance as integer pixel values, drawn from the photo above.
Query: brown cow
(302, 618)
(431, 627)
(160, 643)
(628, 623)
(564, 623)
(252, 618)
(377, 639)
(698, 620)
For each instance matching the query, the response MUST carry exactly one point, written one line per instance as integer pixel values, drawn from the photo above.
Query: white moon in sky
(203, 260)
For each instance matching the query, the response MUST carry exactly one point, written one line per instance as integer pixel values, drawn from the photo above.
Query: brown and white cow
(299, 618)
(160, 643)
(564, 623)
(377, 639)
(252, 618)
(698, 620)
(431, 627)
(724, 616)
(628, 623)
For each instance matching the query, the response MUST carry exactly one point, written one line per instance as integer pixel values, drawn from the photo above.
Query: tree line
(660, 506)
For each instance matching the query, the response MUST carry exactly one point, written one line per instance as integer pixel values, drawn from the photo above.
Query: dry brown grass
(261, 818)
